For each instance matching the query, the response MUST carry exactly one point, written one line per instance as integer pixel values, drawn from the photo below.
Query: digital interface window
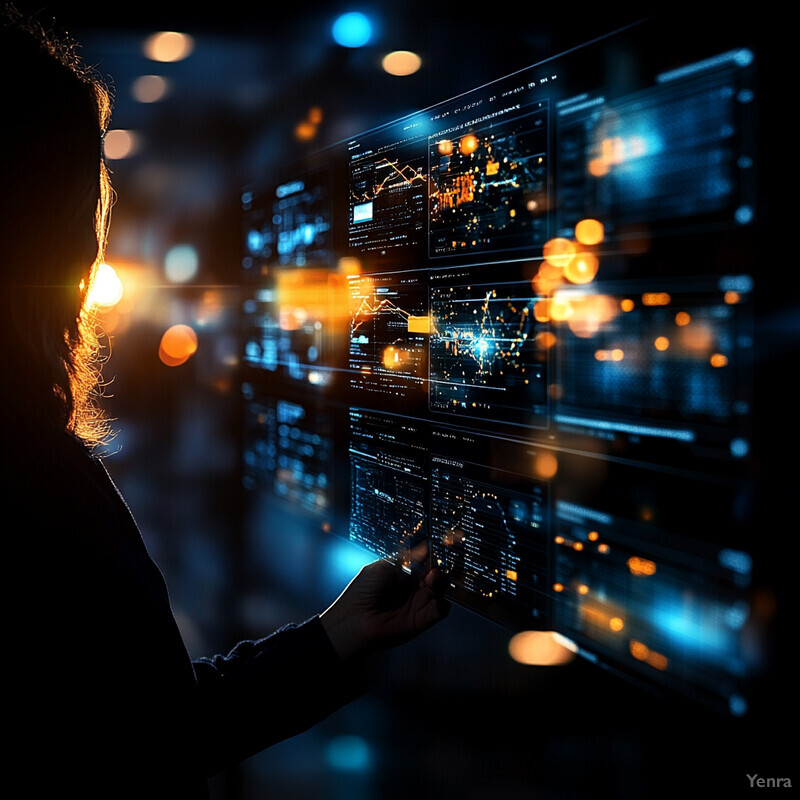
(389, 327)
(487, 349)
(489, 185)
(538, 363)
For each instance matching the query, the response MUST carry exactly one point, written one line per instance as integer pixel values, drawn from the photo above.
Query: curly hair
(57, 199)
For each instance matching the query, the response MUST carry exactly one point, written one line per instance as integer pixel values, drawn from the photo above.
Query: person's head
(56, 200)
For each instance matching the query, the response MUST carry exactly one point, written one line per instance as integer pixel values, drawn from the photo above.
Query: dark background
(451, 715)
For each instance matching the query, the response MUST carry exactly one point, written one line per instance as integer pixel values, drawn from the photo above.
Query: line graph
(403, 176)
(388, 333)
(388, 197)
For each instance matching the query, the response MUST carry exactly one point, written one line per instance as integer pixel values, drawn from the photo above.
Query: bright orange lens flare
(106, 288)
(582, 268)
(641, 566)
(561, 309)
(394, 358)
(401, 63)
(178, 344)
(559, 251)
(548, 278)
(468, 144)
(538, 648)
(589, 231)
(656, 299)
(541, 310)
(168, 46)
(545, 465)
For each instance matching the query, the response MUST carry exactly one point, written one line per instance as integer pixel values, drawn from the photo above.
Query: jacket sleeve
(270, 689)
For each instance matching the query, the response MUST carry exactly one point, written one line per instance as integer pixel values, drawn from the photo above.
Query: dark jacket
(105, 698)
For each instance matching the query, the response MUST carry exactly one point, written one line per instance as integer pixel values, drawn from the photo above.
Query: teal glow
(349, 754)
(352, 29)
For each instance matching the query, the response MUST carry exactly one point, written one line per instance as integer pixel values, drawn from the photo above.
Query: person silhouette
(108, 702)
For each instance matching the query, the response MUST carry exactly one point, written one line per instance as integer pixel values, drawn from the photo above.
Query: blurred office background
(237, 94)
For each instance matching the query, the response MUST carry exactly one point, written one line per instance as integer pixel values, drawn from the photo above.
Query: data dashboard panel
(517, 331)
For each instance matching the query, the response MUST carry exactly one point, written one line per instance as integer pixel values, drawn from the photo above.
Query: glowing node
(445, 147)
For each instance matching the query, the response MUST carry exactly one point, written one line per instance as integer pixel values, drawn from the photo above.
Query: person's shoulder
(48, 474)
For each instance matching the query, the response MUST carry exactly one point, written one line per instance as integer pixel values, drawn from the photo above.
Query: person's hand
(383, 606)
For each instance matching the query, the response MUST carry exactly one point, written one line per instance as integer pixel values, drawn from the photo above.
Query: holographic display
(389, 325)
(489, 186)
(388, 477)
(388, 191)
(527, 317)
(487, 358)
(487, 522)
(667, 361)
(675, 151)
(290, 224)
(288, 452)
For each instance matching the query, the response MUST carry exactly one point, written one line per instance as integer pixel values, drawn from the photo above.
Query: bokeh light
(349, 753)
(589, 231)
(150, 88)
(178, 345)
(468, 144)
(119, 144)
(181, 263)
(538, 648)
(582, 268)
(545, 465)
(168, 46)
(106, 289)
(401, 63)
(559, 251)
(352, 29)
